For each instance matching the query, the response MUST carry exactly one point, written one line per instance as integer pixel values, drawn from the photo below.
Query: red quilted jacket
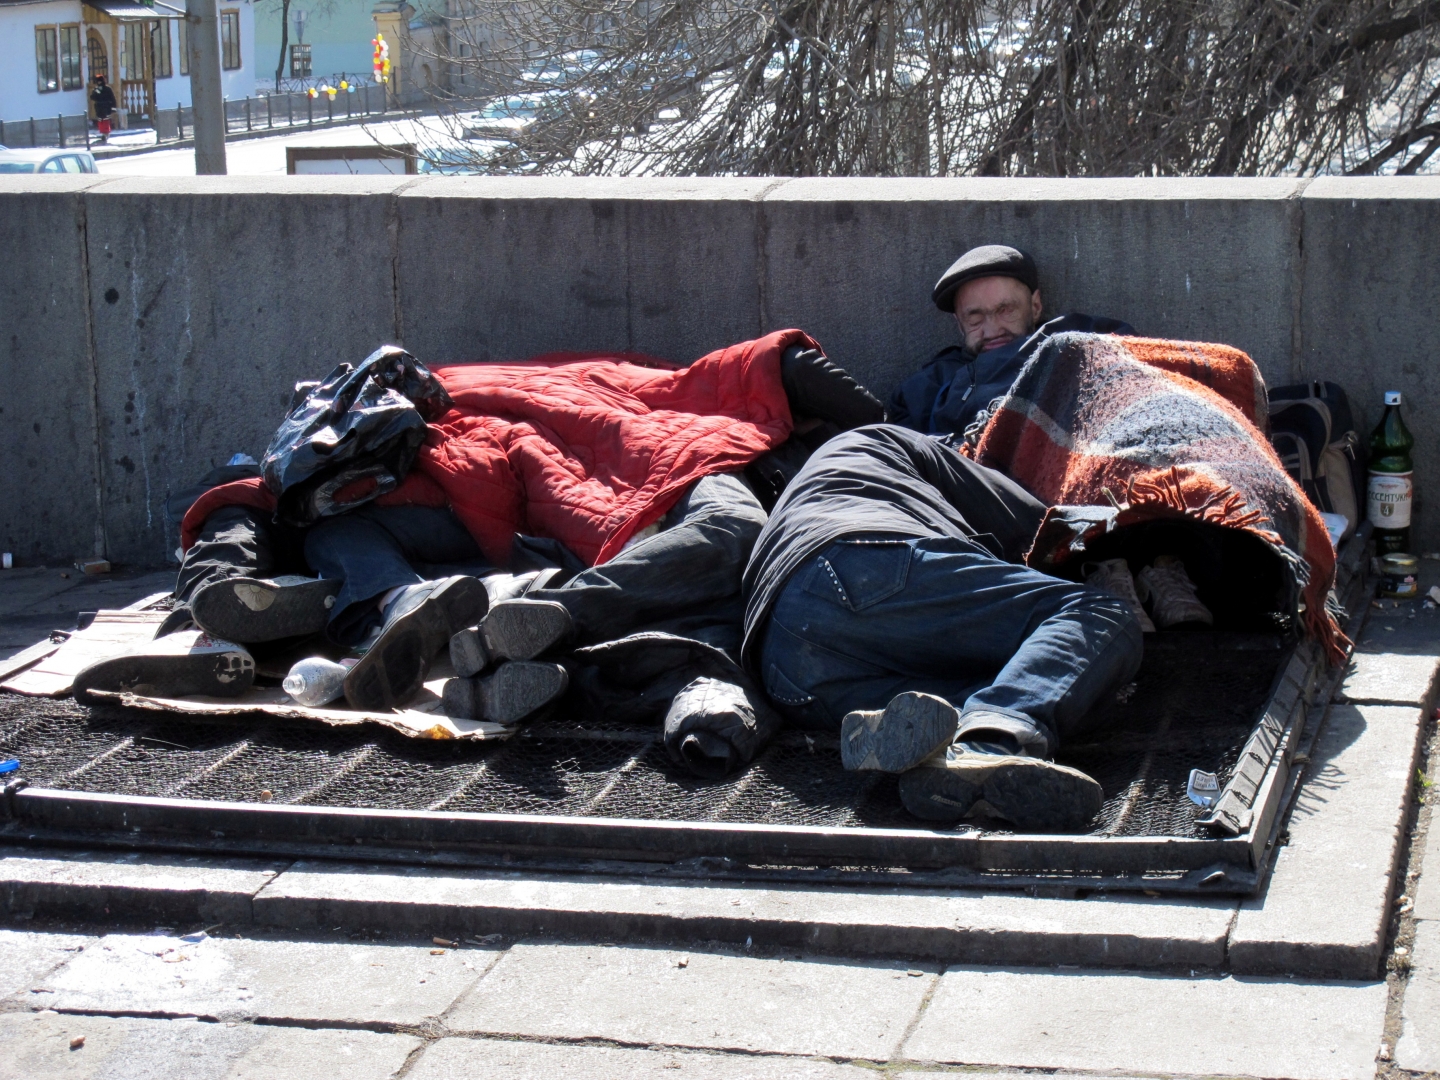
(584, 448)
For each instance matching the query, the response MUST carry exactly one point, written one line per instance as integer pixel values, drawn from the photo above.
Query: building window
(160, 62)
(47, 71)
(72, 74)
(300, 62)
(134, 52)
(230, 40)
(184, 47)
(99, 61)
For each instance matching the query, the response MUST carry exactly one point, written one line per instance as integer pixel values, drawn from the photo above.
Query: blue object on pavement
(9, 765)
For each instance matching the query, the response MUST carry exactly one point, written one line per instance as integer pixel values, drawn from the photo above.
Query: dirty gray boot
(515, 691)
(177, 665)
(253, 610)
(994, 777)
(900, 736)
(513, 630)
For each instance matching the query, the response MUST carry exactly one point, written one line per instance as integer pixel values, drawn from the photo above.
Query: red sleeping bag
(586, 449)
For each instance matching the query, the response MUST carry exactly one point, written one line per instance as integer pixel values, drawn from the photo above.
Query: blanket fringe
(1225, 506)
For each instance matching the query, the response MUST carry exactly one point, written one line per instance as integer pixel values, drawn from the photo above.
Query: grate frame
(564, 796)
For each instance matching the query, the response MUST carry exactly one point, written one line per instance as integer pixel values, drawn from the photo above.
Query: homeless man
(886, 598)
(580, 451)
(994, 293)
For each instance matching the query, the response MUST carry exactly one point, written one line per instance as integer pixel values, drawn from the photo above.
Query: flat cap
(989, 260)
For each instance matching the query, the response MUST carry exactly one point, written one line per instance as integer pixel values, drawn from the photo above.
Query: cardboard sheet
(112, 632)
(421, 719)
(48, 670)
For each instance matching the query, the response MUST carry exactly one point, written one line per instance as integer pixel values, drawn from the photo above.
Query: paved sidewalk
(266, 1006)
(37, 599)
(264, 997)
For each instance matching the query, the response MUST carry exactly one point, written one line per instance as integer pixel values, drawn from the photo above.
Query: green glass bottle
(1392, 482)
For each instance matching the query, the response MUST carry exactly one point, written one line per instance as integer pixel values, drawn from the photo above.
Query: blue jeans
(1015, 650)
(373, 549)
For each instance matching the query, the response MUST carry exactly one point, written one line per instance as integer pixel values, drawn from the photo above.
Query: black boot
(417, 625)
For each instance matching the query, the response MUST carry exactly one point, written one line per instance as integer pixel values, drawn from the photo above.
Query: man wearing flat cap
(994, 293)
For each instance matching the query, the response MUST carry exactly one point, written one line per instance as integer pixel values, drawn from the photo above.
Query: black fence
(265, 112)
(56, 130)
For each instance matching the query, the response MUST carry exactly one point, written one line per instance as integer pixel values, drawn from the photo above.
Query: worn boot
(1114, 577)
(992, 775)
(253, 610)
(911, 728)
(515, 691)
(417, 624)
(513, 630)
(1171, 595)
(177, 665)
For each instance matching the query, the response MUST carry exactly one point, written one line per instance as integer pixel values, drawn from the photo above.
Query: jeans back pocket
(860, 573)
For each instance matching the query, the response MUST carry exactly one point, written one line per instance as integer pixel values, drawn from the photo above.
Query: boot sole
(523, 629)
(212, 674)
(516, 691)
(1032, 794)
(394, 669)
(250, 610)
(900, 736)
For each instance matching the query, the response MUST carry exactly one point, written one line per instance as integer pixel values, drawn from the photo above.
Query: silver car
(47, 161)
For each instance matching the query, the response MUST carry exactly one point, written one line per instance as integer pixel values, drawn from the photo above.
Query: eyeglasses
(974, 318)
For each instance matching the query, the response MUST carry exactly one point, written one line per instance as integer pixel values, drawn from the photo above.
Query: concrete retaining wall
(154, 326)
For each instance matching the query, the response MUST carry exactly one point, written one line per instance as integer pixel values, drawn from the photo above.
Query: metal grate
(1196, 700)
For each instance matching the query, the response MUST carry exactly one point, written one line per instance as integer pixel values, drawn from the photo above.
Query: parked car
(47, 161)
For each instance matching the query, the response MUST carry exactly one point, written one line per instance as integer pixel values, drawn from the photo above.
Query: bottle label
(1389, 498)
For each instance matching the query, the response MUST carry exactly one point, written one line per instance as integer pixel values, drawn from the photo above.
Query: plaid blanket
(1156, 429)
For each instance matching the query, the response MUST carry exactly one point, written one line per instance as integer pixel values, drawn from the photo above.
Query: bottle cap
(1392, 397)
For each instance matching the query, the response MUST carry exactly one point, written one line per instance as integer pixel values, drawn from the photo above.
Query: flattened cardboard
(422, 719)
(112, 632)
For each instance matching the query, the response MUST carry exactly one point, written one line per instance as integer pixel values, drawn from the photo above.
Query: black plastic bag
(353, 437)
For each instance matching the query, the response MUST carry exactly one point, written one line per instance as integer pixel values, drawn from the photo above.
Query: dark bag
(353, 437)
(1313, 431)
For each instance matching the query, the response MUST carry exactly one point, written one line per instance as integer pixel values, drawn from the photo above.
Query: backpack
(352, 437)
(1313, 431)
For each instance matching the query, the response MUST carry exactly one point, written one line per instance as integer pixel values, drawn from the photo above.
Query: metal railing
(272, 112)
(58, 130)
(266, 112)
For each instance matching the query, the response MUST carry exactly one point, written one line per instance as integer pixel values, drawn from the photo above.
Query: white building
(56, 46)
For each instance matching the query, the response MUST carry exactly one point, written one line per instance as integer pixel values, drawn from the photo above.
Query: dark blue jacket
(944, 396)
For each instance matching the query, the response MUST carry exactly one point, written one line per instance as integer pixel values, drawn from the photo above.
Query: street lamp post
(205, 99)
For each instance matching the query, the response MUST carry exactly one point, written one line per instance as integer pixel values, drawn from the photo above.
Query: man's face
(994, 311)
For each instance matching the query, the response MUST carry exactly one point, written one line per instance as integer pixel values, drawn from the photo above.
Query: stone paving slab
(1106, 1021)
(107, 885)
(1418, 1047)
(1389, 678)
(37, 1045)
(29, 958)
(973, 928)
(236, 978)
(1325, 910)
(716, 1001)
(467, 1059)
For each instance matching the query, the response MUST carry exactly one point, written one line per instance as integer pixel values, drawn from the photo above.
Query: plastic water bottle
(317, 681)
